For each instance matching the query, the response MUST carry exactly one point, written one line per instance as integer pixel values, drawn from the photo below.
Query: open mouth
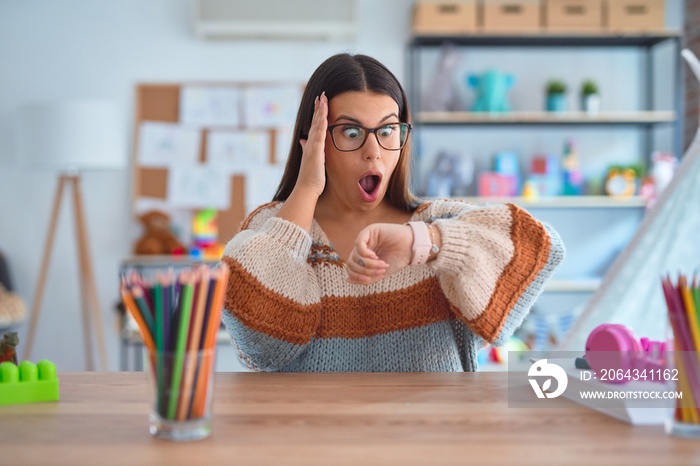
(369, 186)
(369, 183)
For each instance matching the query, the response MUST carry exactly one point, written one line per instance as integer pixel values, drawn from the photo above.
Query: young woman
(346, 271)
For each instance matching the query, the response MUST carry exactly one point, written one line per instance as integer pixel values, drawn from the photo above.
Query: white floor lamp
(71, 138)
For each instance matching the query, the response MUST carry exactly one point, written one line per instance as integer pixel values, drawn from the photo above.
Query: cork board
(161, 103)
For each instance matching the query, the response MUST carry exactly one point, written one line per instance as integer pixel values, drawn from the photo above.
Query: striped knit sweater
(288, 306)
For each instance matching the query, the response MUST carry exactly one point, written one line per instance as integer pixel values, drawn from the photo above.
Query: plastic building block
(28, 382)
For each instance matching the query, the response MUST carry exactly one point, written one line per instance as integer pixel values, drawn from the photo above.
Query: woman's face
(359, 178)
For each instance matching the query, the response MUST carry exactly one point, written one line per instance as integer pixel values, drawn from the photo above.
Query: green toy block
(28, 382)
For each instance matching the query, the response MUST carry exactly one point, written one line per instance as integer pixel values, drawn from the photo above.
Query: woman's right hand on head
(312, 171)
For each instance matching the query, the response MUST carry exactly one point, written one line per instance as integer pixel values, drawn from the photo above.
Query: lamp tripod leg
(43, 271)
(91, 306)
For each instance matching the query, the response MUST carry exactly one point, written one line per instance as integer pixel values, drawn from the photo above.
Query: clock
(621, 182)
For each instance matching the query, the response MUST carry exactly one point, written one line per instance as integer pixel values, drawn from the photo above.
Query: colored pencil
(138, 318)
(210, 339)
(180, 344)
(138, 294)
(193, 343)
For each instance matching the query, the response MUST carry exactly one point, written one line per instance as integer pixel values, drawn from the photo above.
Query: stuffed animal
(157, 237)
(663, 168)
(662, 171)
(491, 91)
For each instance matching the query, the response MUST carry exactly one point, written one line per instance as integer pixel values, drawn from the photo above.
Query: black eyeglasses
(348, 137)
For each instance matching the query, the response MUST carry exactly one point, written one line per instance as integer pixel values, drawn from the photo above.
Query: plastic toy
(205, 231)
(494, 184)
(507, 164)
(572, 179)
(545, 174)
(530, 191)
(204, 228)
(451, 176)
(491, 91)
(8, 347)
(616, 347)
(28, 382)
(500, 355)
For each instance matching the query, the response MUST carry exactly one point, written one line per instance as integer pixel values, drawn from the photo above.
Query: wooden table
(329, 419)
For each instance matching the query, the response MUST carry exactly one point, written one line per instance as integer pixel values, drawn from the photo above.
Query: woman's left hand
(381, 249)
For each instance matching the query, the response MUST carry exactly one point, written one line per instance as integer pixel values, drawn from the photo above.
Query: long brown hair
(342, 73)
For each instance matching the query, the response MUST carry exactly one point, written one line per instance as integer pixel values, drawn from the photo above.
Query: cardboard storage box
(512, 16)
(574, 15)
(636, 15)
(445, 17)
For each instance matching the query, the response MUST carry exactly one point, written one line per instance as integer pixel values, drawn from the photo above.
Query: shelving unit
(592, 247)
(645, 118)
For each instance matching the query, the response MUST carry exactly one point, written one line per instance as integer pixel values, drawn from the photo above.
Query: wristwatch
(422, 245)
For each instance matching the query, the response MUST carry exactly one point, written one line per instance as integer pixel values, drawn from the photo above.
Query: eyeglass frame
(367, 133)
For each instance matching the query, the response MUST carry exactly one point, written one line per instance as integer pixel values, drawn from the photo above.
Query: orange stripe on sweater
(357, 317)
(531, 252)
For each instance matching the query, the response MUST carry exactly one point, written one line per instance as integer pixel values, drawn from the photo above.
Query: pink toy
(616, 347)
(494, 184)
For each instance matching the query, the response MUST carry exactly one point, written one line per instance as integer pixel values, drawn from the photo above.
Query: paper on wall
(271, 106)
(199, 186)
(210, 105)
(261, 184)
(283, 142)
(165, 144)
(236, 150)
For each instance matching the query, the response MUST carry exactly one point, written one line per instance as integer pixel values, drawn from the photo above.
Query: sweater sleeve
(493, 265)
(272, 304)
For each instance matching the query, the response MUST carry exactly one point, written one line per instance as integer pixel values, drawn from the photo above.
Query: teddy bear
(157, 237)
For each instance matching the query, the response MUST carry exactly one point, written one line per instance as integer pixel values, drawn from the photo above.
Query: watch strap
(422, 244)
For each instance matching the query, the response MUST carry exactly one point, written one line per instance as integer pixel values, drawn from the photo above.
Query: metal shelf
(546, 118)
(549, 40)
(566, 202)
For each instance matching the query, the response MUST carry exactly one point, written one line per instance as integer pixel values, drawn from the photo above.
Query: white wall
(70, 49)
